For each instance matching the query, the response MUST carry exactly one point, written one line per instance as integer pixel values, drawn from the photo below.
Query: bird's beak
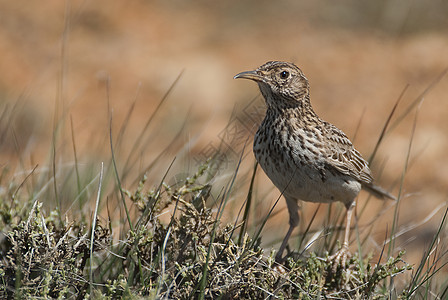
(252, 75)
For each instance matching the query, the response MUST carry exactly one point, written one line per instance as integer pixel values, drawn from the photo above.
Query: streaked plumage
(305, 157)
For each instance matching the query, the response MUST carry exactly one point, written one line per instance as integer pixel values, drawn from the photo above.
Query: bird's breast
(294, 160)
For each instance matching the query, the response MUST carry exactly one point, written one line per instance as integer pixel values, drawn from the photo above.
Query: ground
(80, 63)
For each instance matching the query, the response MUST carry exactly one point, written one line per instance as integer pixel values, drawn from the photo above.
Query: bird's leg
(293, 210)
(347, 231)
(340, 257)
(279, 256)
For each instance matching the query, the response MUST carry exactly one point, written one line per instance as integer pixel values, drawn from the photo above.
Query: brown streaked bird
(305, 157)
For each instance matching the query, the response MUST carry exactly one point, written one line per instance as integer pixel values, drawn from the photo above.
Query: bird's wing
(343, 156)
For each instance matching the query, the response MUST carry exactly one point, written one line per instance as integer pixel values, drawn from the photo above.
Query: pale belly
(307, 181)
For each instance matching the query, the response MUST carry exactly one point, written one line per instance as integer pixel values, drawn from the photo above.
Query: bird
(305, 157)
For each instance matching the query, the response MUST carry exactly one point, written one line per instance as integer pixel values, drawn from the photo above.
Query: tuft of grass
(43, 256)
(168, 241)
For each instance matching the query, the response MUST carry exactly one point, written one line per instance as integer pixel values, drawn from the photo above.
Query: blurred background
(68, 66)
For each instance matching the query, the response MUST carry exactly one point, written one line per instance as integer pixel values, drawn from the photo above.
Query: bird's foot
(339, 259)
(279, 259)
(278, 265)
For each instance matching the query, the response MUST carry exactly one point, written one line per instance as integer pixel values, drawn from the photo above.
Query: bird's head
(281, 83)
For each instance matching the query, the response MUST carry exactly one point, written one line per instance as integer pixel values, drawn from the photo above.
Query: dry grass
(82, 85)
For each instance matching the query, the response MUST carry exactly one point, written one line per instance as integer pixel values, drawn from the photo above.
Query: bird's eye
(284, 74)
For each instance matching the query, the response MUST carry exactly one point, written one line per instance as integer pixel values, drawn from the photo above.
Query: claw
(340, 258)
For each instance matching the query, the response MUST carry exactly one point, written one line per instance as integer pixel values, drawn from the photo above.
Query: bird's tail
(377, 191)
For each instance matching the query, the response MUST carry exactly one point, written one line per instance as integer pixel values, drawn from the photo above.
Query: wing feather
(343, 156)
